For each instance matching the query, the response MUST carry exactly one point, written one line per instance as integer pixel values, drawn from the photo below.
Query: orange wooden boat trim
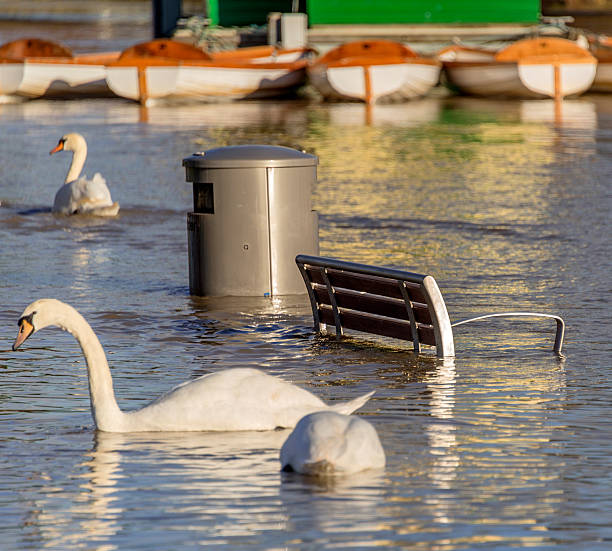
(558, 94)
(369, 61)
(557, 60)
(257, 51)
(143, 91)
(471, 49)
(237, 64)
(105, 58)
(542, 60)
(368, 84)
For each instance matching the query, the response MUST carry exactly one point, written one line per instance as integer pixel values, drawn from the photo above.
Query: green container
(356, 12)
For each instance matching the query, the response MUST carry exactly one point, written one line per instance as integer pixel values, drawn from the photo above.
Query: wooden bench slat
(373, 304)
(385, 327)
(367, 283)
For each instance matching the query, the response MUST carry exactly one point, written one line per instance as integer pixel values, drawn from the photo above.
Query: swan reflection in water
(224, 481)
(230, 486)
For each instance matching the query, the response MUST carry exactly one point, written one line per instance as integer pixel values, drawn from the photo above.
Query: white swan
(228, 400)
(79, 195)
(328, 443)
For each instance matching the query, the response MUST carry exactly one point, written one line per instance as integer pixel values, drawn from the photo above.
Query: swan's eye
(29, 318)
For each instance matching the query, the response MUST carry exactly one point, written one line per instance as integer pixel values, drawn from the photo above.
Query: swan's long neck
(78, 161)
(106, 412)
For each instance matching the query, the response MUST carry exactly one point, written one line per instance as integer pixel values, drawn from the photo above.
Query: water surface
(504, 447)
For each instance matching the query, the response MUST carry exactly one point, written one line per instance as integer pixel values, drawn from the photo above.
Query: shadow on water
(32, 211)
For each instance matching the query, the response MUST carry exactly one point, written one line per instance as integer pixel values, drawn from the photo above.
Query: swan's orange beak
(25, 330)
(58, 147)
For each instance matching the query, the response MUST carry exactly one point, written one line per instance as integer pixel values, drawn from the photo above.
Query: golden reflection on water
(486, 437)
(474, 169)
(442, 436)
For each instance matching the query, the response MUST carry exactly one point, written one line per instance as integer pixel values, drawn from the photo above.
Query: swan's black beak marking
(58, 147)
(26, 328)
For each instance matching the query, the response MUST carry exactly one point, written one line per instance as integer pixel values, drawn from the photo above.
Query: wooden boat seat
(387, 302)
(33, 47)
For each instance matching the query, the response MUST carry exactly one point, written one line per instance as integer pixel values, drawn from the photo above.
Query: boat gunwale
(143, 63)
(533, 60)
(95, 60)
(376, 61)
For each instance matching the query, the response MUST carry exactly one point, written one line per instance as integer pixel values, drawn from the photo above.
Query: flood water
(506, 446)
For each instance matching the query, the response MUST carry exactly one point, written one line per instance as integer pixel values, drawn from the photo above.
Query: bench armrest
(560, 324)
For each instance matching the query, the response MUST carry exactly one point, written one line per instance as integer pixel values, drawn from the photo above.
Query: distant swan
(79, 195)
(328, 443)
(227, 400)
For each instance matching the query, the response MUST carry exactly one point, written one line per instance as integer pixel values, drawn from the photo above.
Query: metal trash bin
(252, 216)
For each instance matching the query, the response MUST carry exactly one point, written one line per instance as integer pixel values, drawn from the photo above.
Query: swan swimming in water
(227, 400)
(330, 443)
(79, 195)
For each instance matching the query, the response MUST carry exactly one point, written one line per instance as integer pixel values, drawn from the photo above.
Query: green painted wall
(325, 12)
(212, 11)
(242, 13)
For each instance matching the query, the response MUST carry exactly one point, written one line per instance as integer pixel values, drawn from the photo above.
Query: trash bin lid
(246, 156)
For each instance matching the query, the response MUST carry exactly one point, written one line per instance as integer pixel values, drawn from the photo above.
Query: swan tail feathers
(353, 405)
(98, 179)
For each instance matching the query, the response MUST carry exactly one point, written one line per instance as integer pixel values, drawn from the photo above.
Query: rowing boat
(34, 68)
(373, 71)
(173, 71)
(528, 68)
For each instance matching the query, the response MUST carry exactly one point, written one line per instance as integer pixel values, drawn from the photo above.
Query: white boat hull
(529, 68)
(62, 80)
(11, 75)
(522, 80)
(183, 82)
(381, 83)
(603, 77)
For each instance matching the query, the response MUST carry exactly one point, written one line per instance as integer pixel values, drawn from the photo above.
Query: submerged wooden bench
(387, 302)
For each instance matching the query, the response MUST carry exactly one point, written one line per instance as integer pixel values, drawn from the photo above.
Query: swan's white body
(79, 195)
(228, 400)
(327, 442)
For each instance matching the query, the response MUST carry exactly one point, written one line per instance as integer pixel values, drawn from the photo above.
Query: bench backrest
(382, 301)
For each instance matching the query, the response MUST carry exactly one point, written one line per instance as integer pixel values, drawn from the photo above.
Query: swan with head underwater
(227, 400)
(330, 443)
(79, 195)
